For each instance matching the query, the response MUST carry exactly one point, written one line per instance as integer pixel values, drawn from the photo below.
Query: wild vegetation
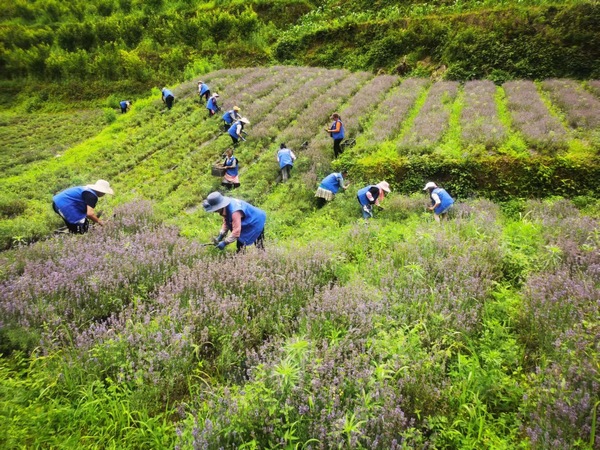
(397, 333)
(85, 50)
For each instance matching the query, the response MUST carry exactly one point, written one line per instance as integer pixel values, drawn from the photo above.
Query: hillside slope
(521, 140)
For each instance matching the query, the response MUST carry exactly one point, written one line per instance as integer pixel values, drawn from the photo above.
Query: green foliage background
(88, 47)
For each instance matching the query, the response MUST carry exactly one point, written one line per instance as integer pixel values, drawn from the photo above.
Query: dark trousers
(206, 96)
(260, 242)
(75, 228)
(337, 148)
(285, 172)
(169, 101)
(229, 185)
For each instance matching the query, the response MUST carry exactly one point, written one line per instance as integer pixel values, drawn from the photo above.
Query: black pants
(169, 101)
(230, 186)
(75, 228)
(285, 172)
(337, 148)
(260, 242)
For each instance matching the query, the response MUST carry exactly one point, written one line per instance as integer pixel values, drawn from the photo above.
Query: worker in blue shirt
(236, 130)
(231, 116)
(337, 133)
(245, 222)
(167, 97)
(441, 202)
(212, 105)
(76, 205)
(125, 105)
(203, 90)
(286, 159)
(372, 195)
(330, 185)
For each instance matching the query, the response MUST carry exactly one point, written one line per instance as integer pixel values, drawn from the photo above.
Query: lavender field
(394, 333)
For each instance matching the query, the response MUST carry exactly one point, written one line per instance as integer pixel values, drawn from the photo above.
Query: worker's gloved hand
(218, 239)
(221, 245)
(368, 209)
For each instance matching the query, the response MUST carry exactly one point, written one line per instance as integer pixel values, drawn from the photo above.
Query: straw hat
(102, 186)
(236, 108)
(384, 185)
(246, 121)
(430, 185)
(215, 201)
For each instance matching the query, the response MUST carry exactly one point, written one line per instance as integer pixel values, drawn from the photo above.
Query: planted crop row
(581, 107)
(479, 117)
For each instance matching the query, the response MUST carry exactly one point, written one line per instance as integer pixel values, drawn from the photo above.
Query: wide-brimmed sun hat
(102, 186)
(246, 121)
(430, 185)
(215, 201)
(236, 108)
(384, 185)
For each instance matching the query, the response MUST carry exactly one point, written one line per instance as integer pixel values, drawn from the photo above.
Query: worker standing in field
(212, 105)
(231, 116)
(245, 222)
(167, 97)
(203, 90)
(286, 159)
(125, 105)
(337, 133)
(231, 179)
(372, 195)
(236, 130)
(330, 185)
(441, 202)
(76, 205)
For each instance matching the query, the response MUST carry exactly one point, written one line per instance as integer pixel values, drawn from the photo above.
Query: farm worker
(203, 90)
(231, 116)
(76, 205)
(337, 132)
(211, 104)
(236, 130)
(286, 159)
(330, 185)
(246, 222)
(167, 97)
(372, 195)
(125, 105)
(231, 180)
(441, 201)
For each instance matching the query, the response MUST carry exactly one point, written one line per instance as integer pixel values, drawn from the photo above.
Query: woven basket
(217, 171)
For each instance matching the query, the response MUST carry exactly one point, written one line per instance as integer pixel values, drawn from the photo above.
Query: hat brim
(101, 189)
(222, 204)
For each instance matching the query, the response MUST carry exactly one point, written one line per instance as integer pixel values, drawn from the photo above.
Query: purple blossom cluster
(360, 106)
(582, 108)
(289, 108)
(479, 117)
(63, 284)
(432, 120)
(317, 115)
(532, 118)
(560, 321)
(390, 115)
(210, 310)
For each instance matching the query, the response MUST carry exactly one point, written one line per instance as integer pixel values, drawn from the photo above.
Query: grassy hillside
(82, 50)
(516, 141)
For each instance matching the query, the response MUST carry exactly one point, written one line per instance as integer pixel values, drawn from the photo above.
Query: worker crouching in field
(167, 97)
(231, 179)
(237, 129)
(441, 202)
(372, 195)
(286, 159)
(125, 106)
(231, 116)
(203, 90)
(330, 185)
(212, 105)
(76, 205)
(245, 222)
